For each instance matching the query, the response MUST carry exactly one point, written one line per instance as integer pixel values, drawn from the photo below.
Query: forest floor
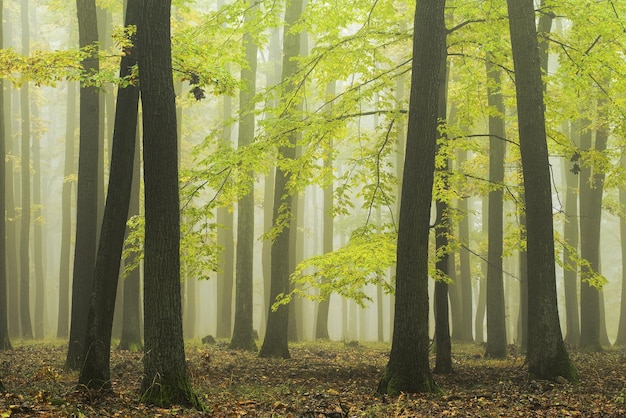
(323, 379)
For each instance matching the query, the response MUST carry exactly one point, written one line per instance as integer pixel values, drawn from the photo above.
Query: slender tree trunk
(621, 330)
(5, 342)
(131, 320)
(95, 371)
(408, 369)
(547, 357)
(496, 327)
(38, 250)
(27, 331)
(66, 216)
(276, 336)
(87, 191)
(243, 338)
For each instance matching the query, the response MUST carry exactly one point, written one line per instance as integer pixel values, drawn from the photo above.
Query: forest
(313, 209)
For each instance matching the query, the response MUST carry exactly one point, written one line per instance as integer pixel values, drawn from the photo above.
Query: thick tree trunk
(408, 369)
(496, 326)
(546, 355)
(95, 371)
(243, 338)
(166, 379)
(87, 191)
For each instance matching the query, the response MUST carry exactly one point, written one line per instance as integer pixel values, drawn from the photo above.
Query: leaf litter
(322, 379)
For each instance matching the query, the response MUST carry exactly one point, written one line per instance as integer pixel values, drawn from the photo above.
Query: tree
(95, 372)
(166, 379)
(407, 369)
(275, 343)
(496, 326)
(5, 342)
(63, 320)
(87, 189)
(243, 338)
(131, 321)
(621, 330)
(27, 331)
(546, 355)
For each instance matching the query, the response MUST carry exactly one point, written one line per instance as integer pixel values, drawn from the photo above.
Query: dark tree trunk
(243, 338)
(464, 279)
(275, 343)
(496, 326)
(408, 369)
(166, 379)
(481, 303)
(546, 355)
(570, 275)
(131, 314)
(95, 372)
(66, 216)
(5, 342)
(87, 191)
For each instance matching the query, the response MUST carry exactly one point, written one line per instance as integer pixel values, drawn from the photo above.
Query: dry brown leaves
(321, 380)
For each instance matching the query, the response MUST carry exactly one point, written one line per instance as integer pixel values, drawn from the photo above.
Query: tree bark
(166, 379)
(95, 372)
(408, 369)
(547, 357)
(496, 326)
(243, 338)
(87, 191)
(275, 343)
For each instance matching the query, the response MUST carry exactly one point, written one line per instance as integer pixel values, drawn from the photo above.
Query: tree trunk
(131, 313)
(38, 250)
(87, 191)
(464, 280)
(225, 277)
(95, 372)
(66, 216)
(621, 330)
(166, 379)
(496, 327)
(408, 369)
(590, 195)
(546, 355)
(276, 336)
(5, 342)
(243, 338)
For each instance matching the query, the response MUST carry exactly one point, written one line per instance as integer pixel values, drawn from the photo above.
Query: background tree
(275, 342)
(244, 268)
(87, 188)
(407, 369)
(546, 355)
(5, 342)
(166, 379)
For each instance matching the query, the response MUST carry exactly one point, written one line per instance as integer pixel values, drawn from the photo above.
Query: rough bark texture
(95, 371)
(275, 343)
(243, 338)
(496, 326)
(546, 355)
(87, 191)
(166, 379)
(408, 369)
